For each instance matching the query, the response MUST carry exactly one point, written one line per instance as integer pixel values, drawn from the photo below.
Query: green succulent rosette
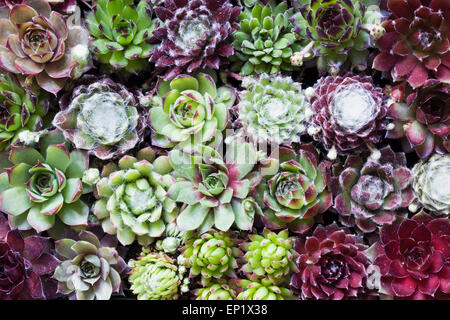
(212, 255)
(120, 31)
(155, 276)
(133, 202)
(273, 109)
(430, 178)
(43, 189)
(264, 41)
(90, 270)
(191, 111)
(262, 289)
(270, 256)
(298, 192)
(20, 110)
(215, 191)
(216, 290)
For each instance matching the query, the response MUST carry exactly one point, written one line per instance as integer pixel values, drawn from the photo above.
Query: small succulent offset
(269, 256)
(416, 44)
(298, 192)
(413, 258)
(422, 117)
(349, 114)
(44, 185)
(173, 238)
(194, 34)
(216, 290)
(82, 119)
(156, 276)
(90, 269)
(121, 31)
(211, 255)
(188, 112)
(262, 289)
(336, 29)
(332, 265)
(38, 45)
(20, 110)
(264, 41)
(215, 192)
(371, 192)
(431, 177)
(27, 264)
(273, 109)
(133, 202)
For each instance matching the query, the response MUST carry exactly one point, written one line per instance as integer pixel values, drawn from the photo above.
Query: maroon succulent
(332, 265)
(370, 192)
(193, 35)
(423, 117)
(416, 44)
(349, 112)
(414, 258)
(25, 265)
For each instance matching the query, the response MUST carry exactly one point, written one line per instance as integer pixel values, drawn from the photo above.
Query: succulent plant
(172, 239)
(430, 179)
(262, 289)
(20, 110)
(264, 41)
(26, 265)
(273, 108)
(371, 192)
(120, 32)
(215, 192)
(332, 265)
(133, 202)
(82, 119)
(193, 35)
(155, 276)
(349, 113)
(216, 290)
(44, 185)
(37, 45)
(212, 255)
(298, 191)
(188, 113)
(269, 256)
(413, 258)
(337, 31)
(64, 6)
(416, 45)
(90, 269)
(423, 118)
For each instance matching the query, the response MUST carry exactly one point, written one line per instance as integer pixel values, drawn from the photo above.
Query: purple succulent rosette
(369, 192)
(193, 35)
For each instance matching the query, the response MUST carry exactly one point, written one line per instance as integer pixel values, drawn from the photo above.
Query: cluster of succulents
(224, 150)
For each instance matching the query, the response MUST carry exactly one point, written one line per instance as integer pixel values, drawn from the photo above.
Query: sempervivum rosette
(263, 289)
(416, 44)
(82, 119)
(26, 265)
(298, 192)
(332, 265)
(413, 258)
(273, 108)
(423, 119)
(430, 180)
(370, 192)
(216, 290)
(193, 35)
(38, 45)
(349, 113)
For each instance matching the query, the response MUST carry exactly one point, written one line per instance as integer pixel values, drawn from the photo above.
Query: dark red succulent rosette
(194, 35)
(423, 117)
(332, 265)
(414, 258)
(332, 134)
(416, 44)
(25, 266)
